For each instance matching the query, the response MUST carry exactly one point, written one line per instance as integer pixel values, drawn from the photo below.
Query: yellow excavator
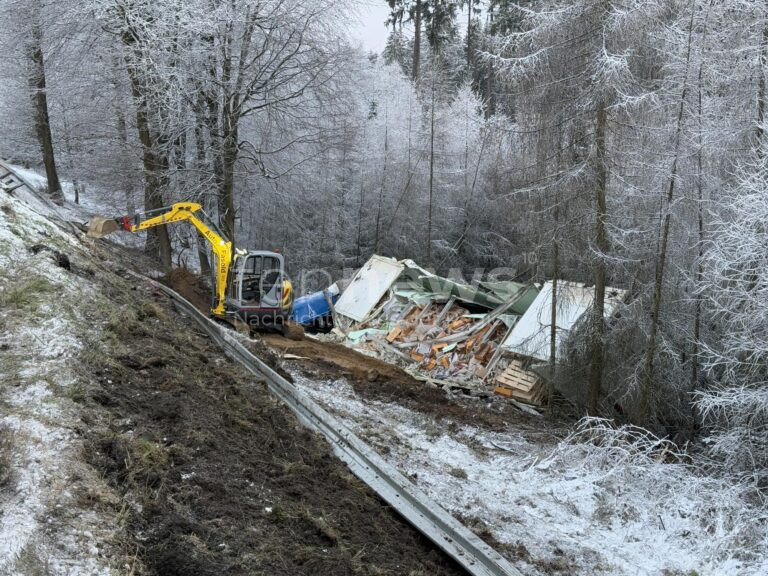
(250, 286)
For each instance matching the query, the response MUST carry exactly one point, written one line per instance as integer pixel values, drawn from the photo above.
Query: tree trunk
(416, 42)
(37, 83)
(155, 165)
(230, 119)
(661, 260)
(761, 90)
(383, 180)
(202, 166)
(467, 224)
(122, 132)
(601, 245)
(555, 287)
(695, 360)
(228, 145)
(553, 319)
(227, 192)
(338, 242)
(490, 101)
(699, 269)
(359, 252)
(431, 170)
(469, 38)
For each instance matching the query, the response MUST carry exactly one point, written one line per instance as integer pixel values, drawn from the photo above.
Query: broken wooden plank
(503, 391)
(394, 333)
(445, 310)
(424, 311)
(456, 324)
(533, 399)
(499, 351)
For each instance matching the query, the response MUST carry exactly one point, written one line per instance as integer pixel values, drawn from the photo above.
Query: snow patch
(582, 507)
(39, 344)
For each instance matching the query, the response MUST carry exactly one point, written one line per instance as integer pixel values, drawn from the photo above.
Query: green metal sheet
(420, 286)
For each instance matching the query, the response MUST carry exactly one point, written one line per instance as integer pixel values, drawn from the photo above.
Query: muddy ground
(377, 380)
(217, 477)
(371, 377)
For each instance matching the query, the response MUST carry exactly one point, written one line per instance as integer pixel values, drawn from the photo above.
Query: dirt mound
(351, 363)
(219, 477)
(376, 379)
(293, 331)
(191, 286)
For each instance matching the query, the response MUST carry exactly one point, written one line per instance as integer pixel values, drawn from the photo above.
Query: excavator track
(447, 533)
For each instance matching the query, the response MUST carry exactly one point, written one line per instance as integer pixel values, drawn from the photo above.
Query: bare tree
(40, 98)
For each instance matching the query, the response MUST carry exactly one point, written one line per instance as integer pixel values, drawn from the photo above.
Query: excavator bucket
(100, 227)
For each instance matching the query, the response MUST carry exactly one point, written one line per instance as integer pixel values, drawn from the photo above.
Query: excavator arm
(274, 303)
(185, 211)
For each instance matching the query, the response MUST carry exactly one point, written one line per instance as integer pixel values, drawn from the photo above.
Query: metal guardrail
(10, 180)
(455, 539)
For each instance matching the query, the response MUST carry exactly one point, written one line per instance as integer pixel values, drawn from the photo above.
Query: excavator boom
(250, 286)
(179, 212)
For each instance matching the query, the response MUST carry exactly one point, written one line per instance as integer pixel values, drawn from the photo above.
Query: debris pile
(481, 338)
(441, 331)
(446, 341)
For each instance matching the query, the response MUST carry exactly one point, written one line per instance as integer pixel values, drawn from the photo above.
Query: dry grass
(6, 457)
(30, 561)
(27, 295)
(459, 473)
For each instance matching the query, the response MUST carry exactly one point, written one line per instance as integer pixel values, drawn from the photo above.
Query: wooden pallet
(515, 381)
(535, 398)
(521, 384)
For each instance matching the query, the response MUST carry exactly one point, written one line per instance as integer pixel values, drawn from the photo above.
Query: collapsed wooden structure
(482, 338)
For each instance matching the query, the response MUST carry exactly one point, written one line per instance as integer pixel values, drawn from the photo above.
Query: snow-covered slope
(51, 520)
(602, 501)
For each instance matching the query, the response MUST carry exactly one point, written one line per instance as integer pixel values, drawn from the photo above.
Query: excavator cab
(260, 293)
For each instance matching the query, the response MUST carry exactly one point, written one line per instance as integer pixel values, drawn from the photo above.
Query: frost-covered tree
(575, 60)
(39, 93)
(29, 25)
(736, 283)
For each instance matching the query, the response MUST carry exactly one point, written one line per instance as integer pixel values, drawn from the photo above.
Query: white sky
(371, 30)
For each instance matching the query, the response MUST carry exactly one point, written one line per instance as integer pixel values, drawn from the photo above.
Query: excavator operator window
(261, 279)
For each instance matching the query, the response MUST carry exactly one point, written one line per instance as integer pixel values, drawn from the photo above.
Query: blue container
(309, 308)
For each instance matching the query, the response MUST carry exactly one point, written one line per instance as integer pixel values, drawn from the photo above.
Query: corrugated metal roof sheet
(412, 282)
(486, 294)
